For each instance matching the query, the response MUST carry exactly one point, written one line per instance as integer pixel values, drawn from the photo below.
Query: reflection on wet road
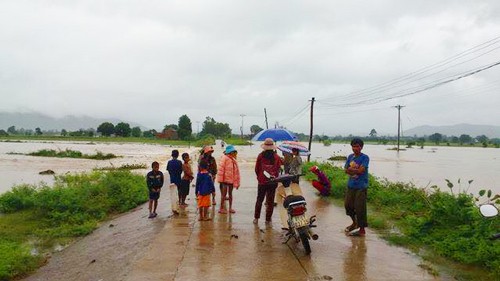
(231, 247)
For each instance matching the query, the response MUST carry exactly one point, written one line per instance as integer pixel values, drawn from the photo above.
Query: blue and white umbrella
(275, 134)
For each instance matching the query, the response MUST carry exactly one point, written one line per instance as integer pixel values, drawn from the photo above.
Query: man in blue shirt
(356, 167)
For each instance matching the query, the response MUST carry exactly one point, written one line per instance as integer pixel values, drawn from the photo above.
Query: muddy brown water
(424, 167)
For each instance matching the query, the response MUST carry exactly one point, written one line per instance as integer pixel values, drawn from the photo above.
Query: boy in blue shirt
(356, 167)
(204, 188)
(154, 180)
(174, 168)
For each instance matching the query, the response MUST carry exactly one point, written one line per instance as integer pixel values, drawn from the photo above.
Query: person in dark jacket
(206, 156)
(267, 161)
(174, 168)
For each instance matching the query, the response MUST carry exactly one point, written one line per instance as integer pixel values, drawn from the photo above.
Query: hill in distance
(455, 130)
(46, 123)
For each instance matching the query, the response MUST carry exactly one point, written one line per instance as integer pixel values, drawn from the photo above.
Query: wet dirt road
(230, 247)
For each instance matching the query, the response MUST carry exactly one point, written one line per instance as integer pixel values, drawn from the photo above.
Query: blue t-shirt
(204, 184)
(358, 181)
(174, 168)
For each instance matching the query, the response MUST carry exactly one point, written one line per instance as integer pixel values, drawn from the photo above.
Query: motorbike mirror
(267, 174)
(488, 210)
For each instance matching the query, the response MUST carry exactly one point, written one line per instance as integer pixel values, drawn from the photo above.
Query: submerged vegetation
(444, 223)
(68, 153)
(35, 218)
(124, 167)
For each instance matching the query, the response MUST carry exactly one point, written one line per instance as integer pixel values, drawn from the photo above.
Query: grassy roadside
(441, 226)
(34, 219)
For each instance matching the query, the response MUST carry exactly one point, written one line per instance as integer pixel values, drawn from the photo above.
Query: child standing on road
(356, 167)
(212, 164)
(229, 177)
(204, 189)
(187, 177)
(154, 180)
(174, 168)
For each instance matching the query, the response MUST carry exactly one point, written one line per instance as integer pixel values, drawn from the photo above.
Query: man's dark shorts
(154, 195)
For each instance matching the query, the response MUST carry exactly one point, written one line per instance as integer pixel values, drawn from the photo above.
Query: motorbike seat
(292, 198)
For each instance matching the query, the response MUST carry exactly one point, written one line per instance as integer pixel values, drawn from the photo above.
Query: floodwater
(424, 167)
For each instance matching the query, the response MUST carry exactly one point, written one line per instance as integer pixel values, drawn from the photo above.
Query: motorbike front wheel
(304, 237)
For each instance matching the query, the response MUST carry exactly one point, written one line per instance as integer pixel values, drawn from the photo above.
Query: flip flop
(350, 228)
(356, 234)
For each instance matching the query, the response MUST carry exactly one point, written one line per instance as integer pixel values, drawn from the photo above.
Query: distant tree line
(213, 129)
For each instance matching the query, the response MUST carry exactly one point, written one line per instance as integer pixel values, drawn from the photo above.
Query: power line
(419, 89)
(380, 87)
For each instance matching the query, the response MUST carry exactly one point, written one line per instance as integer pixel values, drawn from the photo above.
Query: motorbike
(490, 211)
(299, 225)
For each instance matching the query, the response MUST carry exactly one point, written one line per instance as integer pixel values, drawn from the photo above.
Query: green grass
(68, 153)
(237, 141)
(38, 217)
(446, 224)
(97, 139)
(124, 167)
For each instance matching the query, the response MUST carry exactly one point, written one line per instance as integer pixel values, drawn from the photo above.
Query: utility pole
(242, 115)
(311, 131)
(198, 128)
(399, 121)
(265, 114)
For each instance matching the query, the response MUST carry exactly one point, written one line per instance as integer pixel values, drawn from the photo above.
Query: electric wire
(469, 51)
(418, 89)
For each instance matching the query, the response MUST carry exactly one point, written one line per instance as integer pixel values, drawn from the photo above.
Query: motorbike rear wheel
(305, 241)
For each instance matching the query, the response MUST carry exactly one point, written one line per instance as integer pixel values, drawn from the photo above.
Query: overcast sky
(149, 62)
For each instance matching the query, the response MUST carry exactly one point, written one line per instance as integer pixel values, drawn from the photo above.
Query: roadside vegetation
(34, 219)
(126, 167)
(432, 222)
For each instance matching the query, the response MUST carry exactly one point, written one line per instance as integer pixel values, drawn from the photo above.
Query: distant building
(168, 134)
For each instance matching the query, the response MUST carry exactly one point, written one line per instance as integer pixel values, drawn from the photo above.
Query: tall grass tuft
(68, 153)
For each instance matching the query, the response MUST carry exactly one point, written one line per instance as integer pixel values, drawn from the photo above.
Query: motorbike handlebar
(284, 178)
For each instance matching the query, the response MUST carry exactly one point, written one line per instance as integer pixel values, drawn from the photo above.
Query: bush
(19, 198)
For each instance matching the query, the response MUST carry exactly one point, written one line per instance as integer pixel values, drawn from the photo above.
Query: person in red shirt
(267, 161)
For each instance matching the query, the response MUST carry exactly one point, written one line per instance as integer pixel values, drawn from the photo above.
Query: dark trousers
(355, 205)
(265, 191)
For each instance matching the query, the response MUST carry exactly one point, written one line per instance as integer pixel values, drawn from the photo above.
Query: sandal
(232, 211)
(356, 234)
(350, 228)
(222, 211)
(255, 221)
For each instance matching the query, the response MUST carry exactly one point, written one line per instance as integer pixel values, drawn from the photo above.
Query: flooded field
(424, 167)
